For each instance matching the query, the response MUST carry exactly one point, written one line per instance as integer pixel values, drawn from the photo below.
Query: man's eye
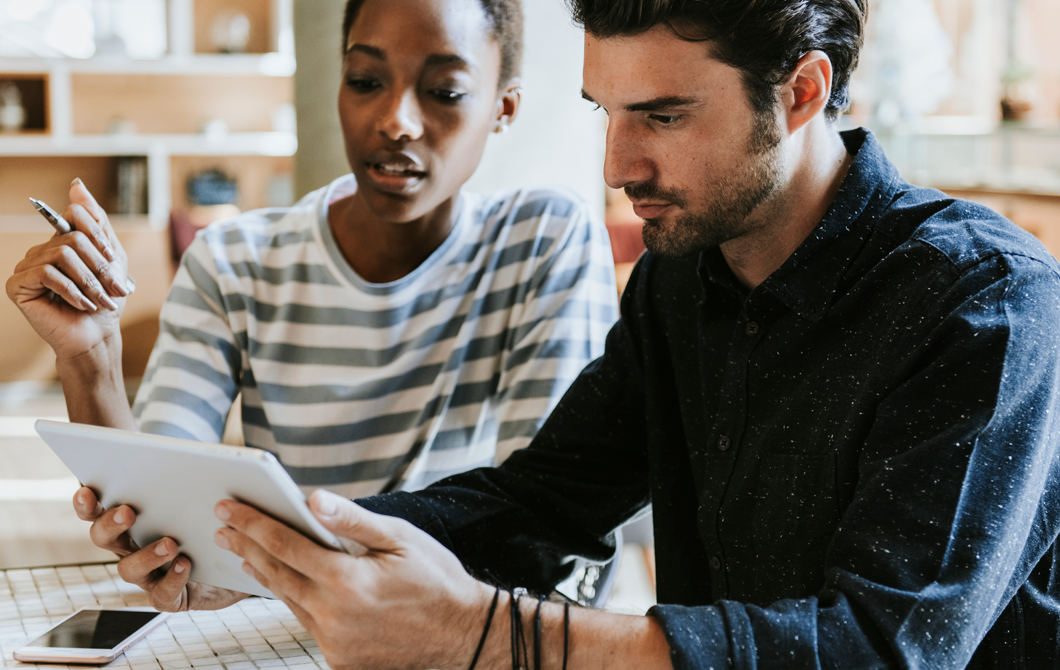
(447, 95)
(362, 85)
(665, 119)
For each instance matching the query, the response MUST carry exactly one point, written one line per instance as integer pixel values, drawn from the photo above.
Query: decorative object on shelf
(132, 185)
(1017, 92)
(215, 129)
(212, 196)
(212, 187)
(12, 114)
(231, 32)
(121, 126)
(1017, 77)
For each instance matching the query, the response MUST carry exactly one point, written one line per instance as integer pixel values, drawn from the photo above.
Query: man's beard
(734, 198)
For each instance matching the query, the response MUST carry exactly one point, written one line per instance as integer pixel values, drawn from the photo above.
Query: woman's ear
(508, 105)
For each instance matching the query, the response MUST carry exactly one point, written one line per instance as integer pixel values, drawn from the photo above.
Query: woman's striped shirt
(362, 387)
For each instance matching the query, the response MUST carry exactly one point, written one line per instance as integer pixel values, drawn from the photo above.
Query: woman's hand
(169, 590)
(72, 288)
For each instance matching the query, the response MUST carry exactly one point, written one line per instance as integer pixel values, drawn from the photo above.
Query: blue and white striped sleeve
(568, 308)
(192, 375)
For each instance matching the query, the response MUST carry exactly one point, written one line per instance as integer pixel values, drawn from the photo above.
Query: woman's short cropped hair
(764, 39)
(506, 27)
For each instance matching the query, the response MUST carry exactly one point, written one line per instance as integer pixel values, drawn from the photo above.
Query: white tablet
(173, 485)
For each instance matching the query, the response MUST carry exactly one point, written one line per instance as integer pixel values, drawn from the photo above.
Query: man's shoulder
(965, 233)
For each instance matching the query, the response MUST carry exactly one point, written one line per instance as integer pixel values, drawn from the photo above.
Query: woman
(387, 330)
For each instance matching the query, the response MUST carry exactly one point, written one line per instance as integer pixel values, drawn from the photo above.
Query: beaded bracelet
(486, 630)
(566, 630)
(537, 634)
(517, 632)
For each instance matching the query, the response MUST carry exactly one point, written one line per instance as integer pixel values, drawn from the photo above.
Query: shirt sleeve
(192, 375)
(524, 522)
(955, 506)
(561, 321)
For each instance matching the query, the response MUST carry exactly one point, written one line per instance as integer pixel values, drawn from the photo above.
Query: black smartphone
(92, 635)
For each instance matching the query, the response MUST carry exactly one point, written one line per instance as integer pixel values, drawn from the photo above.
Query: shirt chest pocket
(796, 515)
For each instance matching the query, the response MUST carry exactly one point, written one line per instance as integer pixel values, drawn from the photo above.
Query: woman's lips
(395, 177)
(650, 210)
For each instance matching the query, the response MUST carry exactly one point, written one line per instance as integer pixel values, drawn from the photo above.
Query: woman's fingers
(86, 504)
(86, 224)
(110, 531)
(72, 268)
(86, 215)
(167, 588)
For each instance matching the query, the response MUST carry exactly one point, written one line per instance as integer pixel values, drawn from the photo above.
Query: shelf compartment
(235, 144)
(33, 89)
(177, 103)
(49, 179)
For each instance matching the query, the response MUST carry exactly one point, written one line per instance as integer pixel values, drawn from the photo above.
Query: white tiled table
(255, 633)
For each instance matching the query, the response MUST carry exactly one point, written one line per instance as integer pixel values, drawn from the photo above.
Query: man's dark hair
(506, 27)
(764, 39)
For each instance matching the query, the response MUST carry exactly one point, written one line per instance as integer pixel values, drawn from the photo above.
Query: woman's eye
(665, 119)
(362, 85)
(447, 95)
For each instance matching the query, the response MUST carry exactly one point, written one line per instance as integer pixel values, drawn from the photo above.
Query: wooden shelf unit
(100, 109)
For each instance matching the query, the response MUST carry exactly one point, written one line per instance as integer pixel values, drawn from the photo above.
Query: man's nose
(625, 161)
(403, 118)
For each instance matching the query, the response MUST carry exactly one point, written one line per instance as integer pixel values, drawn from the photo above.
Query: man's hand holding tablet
(366, 610)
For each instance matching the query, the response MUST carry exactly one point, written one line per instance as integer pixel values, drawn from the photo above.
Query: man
(837, 390)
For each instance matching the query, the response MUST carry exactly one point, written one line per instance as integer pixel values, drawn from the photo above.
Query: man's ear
(508, 104)
(806, 93)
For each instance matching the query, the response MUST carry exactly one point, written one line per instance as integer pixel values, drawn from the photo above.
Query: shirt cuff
(696, 636)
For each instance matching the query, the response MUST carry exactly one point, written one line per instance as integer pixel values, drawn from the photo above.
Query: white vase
(12, 115)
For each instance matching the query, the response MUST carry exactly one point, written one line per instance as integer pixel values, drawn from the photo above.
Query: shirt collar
(807, 281)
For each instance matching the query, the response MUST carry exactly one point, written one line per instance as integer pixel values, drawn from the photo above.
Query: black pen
(62, 226)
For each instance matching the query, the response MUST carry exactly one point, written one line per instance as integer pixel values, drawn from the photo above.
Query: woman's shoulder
(549, 211)
(270, 227)
(529, 202)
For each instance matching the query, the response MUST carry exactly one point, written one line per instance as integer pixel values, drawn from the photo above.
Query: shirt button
(751, 328)
(715, 563)
(723, 443)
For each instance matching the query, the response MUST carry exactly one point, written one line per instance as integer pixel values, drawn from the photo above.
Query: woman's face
(419, 97)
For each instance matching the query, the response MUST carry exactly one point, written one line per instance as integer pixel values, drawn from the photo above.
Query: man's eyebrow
(656, 104)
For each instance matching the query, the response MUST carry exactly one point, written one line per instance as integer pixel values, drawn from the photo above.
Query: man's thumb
(359, 531)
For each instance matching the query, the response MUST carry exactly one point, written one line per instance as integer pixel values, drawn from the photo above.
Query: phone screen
(94, 629)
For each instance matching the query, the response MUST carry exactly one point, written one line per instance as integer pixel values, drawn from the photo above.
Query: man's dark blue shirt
(852, 465)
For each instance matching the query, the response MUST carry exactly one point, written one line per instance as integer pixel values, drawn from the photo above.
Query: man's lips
(649, 210)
